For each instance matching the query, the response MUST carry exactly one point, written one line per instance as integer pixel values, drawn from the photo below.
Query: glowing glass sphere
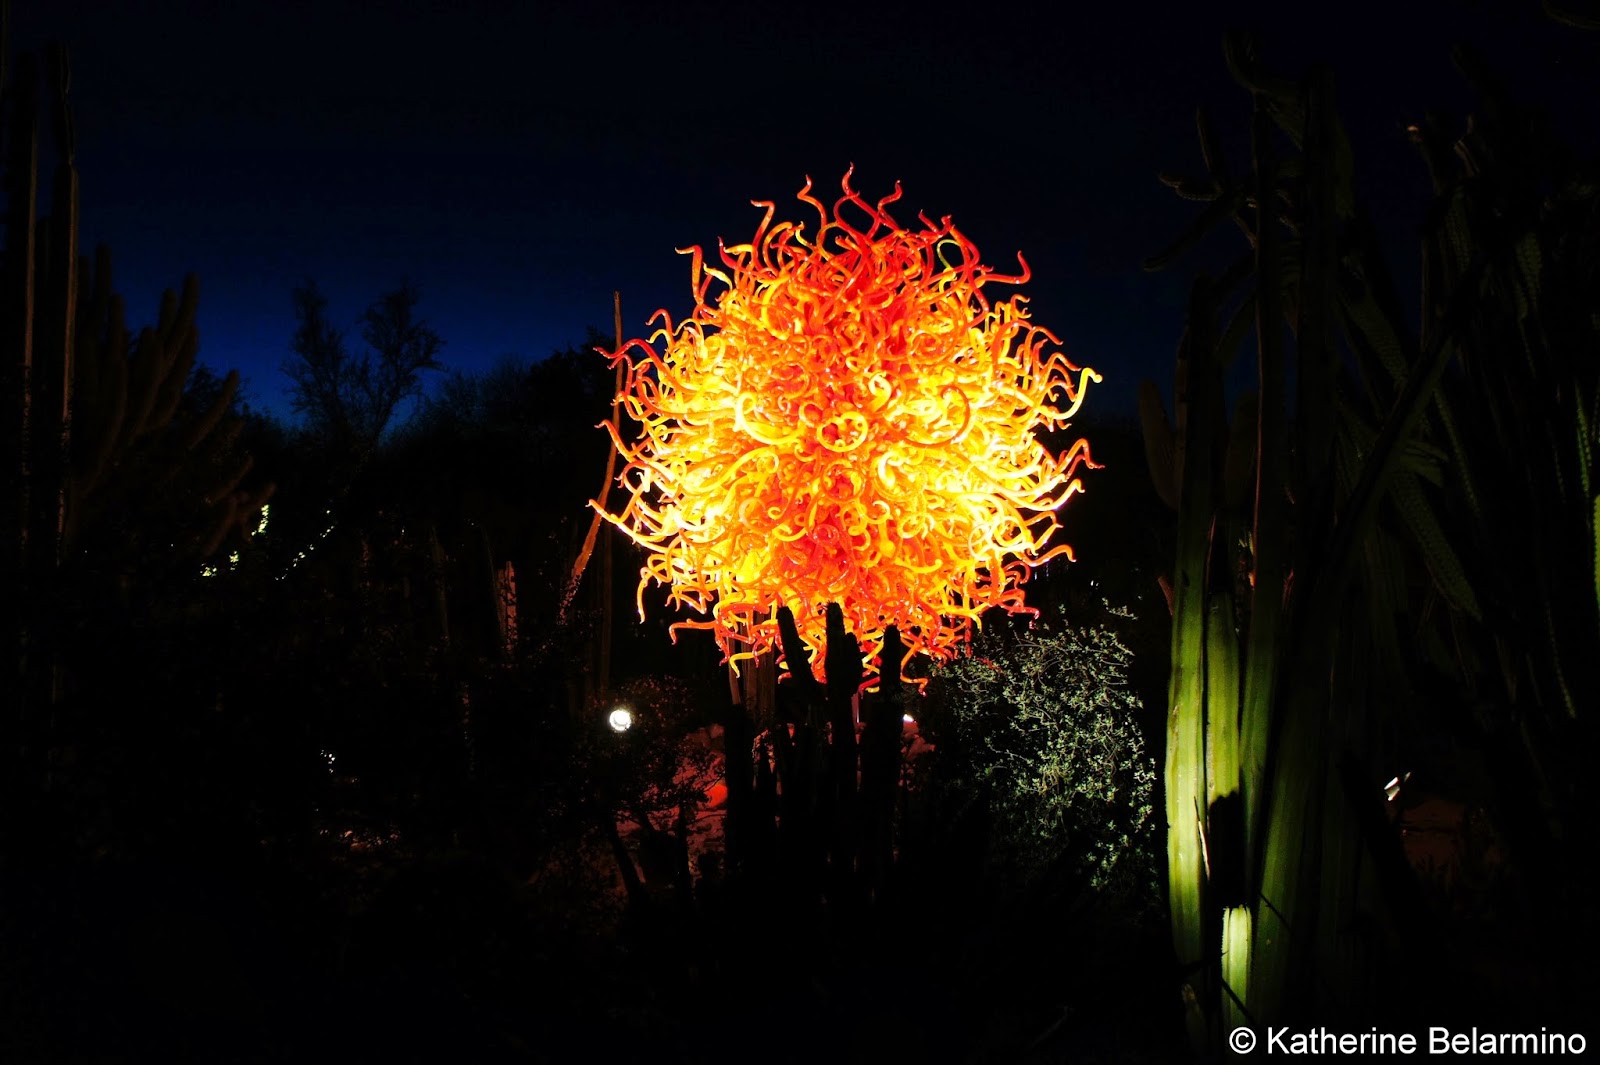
(620, 719)
(849, 420)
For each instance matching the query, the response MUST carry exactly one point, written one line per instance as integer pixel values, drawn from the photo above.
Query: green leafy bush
(1039, 725)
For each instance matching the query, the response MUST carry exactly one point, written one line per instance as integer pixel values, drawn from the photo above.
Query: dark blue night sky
(521, 161)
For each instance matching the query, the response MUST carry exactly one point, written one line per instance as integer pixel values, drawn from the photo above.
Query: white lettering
(1316, 1041)
(1472, 1041)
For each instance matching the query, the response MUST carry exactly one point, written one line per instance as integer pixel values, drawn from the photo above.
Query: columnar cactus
(834, 836)
(92, 432)
(1284, 592)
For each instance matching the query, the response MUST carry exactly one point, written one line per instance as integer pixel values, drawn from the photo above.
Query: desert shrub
(1038, 727)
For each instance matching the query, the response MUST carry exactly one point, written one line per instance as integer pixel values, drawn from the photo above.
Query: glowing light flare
(848, 419)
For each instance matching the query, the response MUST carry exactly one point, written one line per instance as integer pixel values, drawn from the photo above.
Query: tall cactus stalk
(1186, 716)
(90, 423)
(1270, 838)
(1524, 210)
(833, 799)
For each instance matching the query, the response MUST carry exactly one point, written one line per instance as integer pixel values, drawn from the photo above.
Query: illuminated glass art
(847, 419)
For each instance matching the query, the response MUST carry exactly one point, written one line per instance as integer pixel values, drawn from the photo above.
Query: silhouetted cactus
(93, 438)
(1520, 459)
(833, 799)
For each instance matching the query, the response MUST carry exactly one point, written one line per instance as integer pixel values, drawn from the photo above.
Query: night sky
(519, 161)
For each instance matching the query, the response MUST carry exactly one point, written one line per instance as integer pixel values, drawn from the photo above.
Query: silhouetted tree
(405, 346)
(322, 386)
(349, 400)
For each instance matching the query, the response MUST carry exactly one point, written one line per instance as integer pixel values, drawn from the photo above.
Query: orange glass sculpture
(847, 419)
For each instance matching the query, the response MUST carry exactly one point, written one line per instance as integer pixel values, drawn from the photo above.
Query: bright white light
(908, 719)
(620, 720)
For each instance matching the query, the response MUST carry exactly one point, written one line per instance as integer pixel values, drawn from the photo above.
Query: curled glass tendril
(847, 419)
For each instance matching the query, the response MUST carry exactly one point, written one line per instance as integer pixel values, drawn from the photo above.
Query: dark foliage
(348, 400)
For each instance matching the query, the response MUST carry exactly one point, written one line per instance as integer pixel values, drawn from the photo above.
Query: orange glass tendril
(847, 420)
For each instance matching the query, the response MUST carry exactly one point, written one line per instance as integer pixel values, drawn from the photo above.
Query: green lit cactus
(1285, 590)
(1359, 504)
